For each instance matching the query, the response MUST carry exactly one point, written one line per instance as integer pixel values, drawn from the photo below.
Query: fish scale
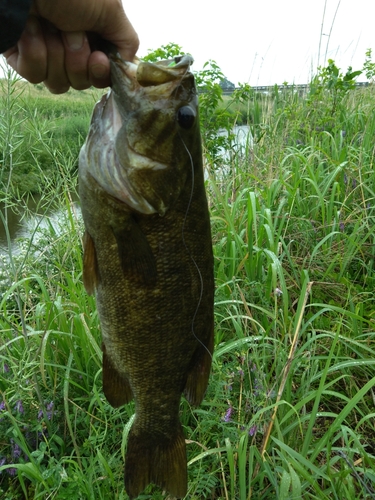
(148, 259)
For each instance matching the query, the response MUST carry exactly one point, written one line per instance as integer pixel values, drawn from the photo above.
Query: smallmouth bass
(148, 258)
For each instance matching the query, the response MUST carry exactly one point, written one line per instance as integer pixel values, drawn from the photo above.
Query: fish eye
(186, 117)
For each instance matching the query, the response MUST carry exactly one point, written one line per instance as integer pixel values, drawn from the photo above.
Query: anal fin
(116, 386)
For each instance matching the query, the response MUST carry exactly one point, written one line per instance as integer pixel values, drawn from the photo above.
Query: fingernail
(32, 27)
(75, 39)
(98, 70)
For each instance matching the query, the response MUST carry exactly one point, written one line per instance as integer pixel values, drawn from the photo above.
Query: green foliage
(369, 66)
(289, 410)
(331, 80)
(168, 51)
(34, 130)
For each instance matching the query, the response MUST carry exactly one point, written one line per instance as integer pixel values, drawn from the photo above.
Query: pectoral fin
(137, 260)
(116, 386)
(90, 264)
(199, 373)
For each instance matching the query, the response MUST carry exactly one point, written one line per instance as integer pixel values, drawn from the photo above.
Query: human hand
(54, 47)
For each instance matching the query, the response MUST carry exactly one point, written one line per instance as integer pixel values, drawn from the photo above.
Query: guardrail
(297, 87)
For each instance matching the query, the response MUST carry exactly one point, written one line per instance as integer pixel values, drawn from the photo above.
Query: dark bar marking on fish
(90, 264)
(136, 257)
(116, 387)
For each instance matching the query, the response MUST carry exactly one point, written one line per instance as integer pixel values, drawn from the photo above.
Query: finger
(29, 58)
(117, 28)
(99, 70)
(57, 80)
(130, 44)
(77, 54)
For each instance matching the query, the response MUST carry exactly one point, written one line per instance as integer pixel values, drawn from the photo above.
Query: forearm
(13, 15)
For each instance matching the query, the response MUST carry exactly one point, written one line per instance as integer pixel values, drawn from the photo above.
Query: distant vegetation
(289, 412)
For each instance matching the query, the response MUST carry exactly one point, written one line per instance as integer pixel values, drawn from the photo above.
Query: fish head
(145, 133)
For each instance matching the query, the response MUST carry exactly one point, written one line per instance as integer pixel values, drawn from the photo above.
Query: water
(24, 219)
(243, 141)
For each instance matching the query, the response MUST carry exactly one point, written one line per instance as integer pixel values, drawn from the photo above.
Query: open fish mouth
(146, 74)
(124, 147)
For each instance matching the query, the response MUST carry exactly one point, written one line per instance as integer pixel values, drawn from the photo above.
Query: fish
(148, 259)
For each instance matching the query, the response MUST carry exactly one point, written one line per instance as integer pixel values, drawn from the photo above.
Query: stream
(23, 219)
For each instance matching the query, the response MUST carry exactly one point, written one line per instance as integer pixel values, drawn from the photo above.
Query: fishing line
(187, 248)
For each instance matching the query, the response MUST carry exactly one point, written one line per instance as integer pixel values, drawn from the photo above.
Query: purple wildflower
(253, 430)
(19, 407)
(228, 415)
(16, 450)
(342, 226)
(49, 411)
(49, 408)
(6, 368)
(258, 387)
(241, 373)
(2, 406)
(12, 471)
(3, 461)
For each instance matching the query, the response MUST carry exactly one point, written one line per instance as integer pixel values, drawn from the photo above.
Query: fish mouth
(114, 150)
(146, 74)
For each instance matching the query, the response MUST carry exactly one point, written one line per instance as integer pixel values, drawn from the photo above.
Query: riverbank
(40, 134)
(289, 409)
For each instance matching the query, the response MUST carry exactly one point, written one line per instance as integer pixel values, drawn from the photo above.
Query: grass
(40, 134)
(289, 412)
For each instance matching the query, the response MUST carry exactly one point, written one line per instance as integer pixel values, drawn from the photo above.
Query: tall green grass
(39, 134)
(289, 412)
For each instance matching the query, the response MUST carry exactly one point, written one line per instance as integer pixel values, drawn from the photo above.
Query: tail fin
(158, 460)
